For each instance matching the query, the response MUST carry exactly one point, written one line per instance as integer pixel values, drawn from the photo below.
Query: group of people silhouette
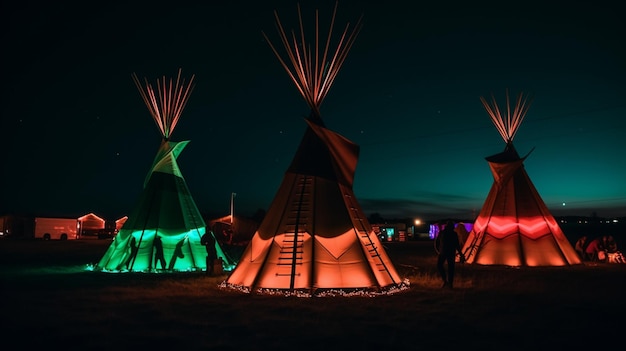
(598, 249)
(207, 240)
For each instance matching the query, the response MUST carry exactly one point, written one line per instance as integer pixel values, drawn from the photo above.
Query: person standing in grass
(448, 245)
(580, 247)
(208, 240)
(158, 252)
(133, 253)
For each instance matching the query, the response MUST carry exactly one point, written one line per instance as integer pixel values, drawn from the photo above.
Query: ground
(49, 299)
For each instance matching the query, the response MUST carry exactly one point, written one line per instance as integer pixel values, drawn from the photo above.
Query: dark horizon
(587, 214)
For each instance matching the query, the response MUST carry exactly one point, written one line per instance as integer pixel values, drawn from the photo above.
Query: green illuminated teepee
(165, 207)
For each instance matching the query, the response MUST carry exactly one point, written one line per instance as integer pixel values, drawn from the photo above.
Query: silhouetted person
(609, 244)
(580, 245)
(593, 249)
(178, 253)
(133, 252)
(158, 252)
(448, 244)
(228, 234)
(462, 233)
(211, 253)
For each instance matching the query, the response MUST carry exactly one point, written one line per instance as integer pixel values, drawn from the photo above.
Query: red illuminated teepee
(515, 227)
(315, 239)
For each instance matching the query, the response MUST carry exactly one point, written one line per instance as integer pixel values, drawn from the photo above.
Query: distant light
(418, 222)
(564, 204)
(615, 221)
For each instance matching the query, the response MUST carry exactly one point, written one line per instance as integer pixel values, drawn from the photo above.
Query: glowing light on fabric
(182, 252)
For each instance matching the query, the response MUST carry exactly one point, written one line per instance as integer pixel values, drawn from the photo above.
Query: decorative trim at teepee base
(371, 292)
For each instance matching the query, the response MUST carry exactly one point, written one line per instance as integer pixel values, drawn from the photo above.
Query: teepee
(514, 226)
(165, 207)
(315, 239)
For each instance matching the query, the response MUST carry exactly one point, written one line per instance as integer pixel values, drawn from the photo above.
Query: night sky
(78, 138)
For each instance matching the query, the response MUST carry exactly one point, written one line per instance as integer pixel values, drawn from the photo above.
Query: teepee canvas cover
(315, 236)
(515, 227)
(165, 207)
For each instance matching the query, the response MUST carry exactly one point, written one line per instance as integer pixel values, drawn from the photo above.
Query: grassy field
(50, 300)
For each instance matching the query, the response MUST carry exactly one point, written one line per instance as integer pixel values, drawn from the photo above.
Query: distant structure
(233, 229)
(514, 226)
(165, 207)
(91, 224)
(315, 239)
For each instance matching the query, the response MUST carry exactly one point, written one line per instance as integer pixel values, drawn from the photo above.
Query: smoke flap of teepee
(165, 207)
(315, 239)
(514, 226)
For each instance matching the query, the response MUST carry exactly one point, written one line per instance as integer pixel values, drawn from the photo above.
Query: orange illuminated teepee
(515, 227)
(315, 239)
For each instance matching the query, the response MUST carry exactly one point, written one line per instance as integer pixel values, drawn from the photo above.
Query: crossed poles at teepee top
(167, 103)
(313, 70)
